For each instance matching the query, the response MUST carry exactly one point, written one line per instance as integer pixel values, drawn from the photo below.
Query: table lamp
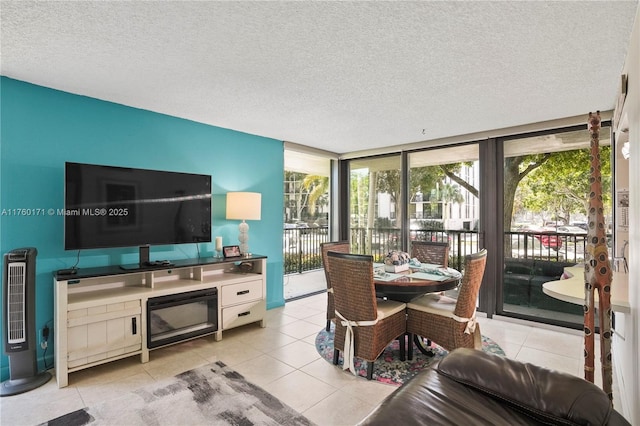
(244, 206)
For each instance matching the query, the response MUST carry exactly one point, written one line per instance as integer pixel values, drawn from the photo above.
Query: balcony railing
(379, 241)
(555, 246)
(531, 258)
(301, 248)
(302, 245)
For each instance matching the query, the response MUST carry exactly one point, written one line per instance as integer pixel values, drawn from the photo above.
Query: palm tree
(317, 187)
(448, 194)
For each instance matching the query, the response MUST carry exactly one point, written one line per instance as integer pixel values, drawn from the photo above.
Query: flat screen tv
(107, 206)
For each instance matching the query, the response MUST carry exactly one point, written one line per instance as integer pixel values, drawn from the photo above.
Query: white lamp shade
(244, 205)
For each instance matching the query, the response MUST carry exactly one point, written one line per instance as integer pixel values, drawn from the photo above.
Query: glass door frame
(493, 295)
(491, 204)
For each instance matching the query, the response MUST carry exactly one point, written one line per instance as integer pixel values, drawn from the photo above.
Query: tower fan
(18, 294)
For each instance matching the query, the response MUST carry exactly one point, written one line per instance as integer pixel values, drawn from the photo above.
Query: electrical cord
(73, 269)
(77, 261)
(44, 343)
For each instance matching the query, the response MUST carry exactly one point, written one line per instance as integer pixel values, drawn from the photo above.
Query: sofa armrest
(549, 396)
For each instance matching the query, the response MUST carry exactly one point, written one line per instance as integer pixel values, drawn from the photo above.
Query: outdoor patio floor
(301, 284)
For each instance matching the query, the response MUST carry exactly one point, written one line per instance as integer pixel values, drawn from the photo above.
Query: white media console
(101, 313)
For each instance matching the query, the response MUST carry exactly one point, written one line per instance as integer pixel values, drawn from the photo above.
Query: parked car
(526, 227)
(568, 229)
(553, 223)
(421, 231)
(428, 235)
(535, 247)
(547, 235)
(303, 227)
(582, 225)
(550, 240)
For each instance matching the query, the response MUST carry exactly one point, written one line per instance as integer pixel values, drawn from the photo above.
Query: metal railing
(301, 248)
(379, 241)
(530, 259)
(559, 247)
(302, 245)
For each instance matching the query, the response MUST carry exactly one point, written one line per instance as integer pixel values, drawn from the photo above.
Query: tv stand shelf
(89, 298)
(101, 313)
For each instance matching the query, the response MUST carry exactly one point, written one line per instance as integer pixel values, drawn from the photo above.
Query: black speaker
(19, 334)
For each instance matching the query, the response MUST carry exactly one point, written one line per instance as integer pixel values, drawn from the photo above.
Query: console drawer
(234, 294)
(243, 314)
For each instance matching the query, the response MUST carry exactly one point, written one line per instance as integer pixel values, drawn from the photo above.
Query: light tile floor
(282, 359)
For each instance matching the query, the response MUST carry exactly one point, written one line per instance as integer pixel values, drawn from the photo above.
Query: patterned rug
(211, 395)
(388, 368)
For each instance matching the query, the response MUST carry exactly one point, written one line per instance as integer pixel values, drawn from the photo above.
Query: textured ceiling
(340, 76)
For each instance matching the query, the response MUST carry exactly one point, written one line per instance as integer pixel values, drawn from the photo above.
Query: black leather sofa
(470, 387)
(523, 279)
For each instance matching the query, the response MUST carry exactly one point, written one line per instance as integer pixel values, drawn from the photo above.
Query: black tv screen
(107, 206)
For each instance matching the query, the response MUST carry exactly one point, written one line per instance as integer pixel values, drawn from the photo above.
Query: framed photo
(231, 251)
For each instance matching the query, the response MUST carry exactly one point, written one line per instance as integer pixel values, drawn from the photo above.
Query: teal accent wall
(41, 128)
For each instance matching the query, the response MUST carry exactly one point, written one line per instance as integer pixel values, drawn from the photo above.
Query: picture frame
(231, 251)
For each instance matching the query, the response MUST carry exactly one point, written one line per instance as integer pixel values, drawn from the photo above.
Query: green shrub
(295, 262)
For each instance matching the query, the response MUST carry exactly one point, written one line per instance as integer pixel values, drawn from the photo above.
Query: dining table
(417, 280)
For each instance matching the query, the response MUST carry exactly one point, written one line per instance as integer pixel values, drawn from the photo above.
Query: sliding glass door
(307, 207)
(522, 197)
(375, 205)
(443, 200)
(546, 186)
(434, 197)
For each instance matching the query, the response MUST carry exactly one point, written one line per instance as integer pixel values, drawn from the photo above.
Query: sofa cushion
(434, 398)
(549, 396)
(518, 266)
(547, 268)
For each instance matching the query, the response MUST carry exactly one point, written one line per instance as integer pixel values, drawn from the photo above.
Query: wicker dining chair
(341, 247)
(451, 325)
(372, 323)
(436, 253)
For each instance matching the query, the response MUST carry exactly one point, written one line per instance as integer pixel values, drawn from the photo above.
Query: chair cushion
(387, 308)
(433, 304)
(439, 305)
(549, 396)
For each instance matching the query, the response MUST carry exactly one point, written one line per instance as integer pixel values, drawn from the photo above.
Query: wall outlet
(45, 338)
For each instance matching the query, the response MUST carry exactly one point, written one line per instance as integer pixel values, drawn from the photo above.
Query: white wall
(626, 351)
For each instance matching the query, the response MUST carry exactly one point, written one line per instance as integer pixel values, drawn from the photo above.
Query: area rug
(211, 395)
(388, 368)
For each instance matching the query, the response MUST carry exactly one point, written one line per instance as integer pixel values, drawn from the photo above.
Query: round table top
(410, 284)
